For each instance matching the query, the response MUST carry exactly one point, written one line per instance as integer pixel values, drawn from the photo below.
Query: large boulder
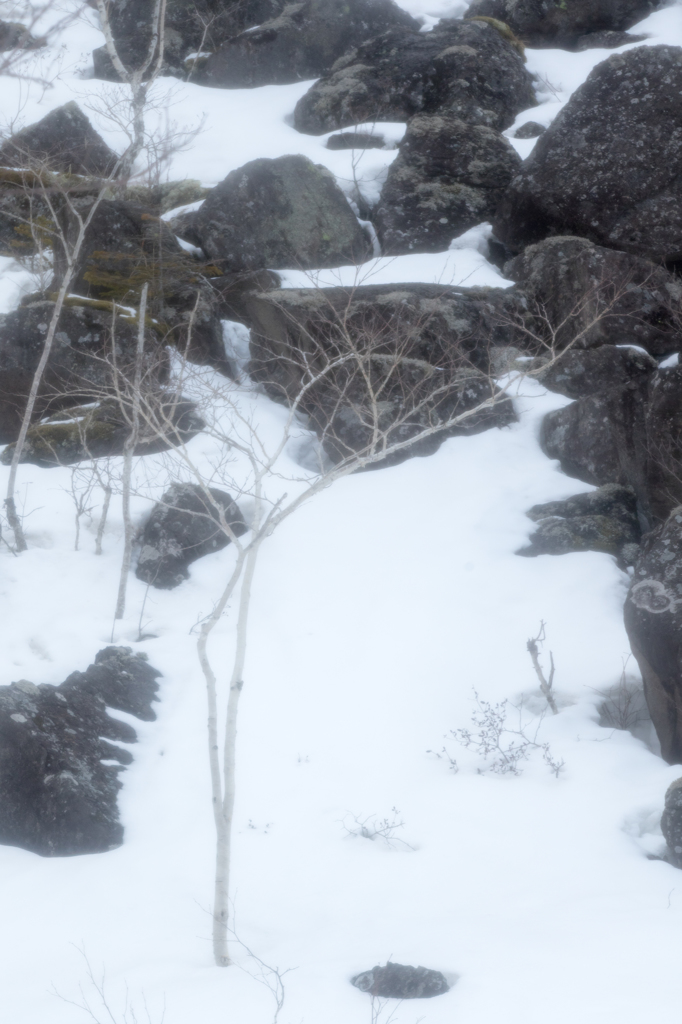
(607, 166)
(631, 435)
(653, 619)
(64, 140)
(186, 524)
(545, 23)
(400, 981)
(589, 295)
(58, 785)
(579, 373)
(287, 212)
(448, 177)
(301, 42)
(603, 520)
(467, 69)
(671, 822)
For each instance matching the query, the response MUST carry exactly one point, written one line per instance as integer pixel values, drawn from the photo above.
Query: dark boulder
(606, 40)
(101, 430)
(603, 520)
(579, 373)
(26, 220)
(545, 23)
(606, 168)
(653, 619)
(356, 140)
(448, 177)
(287, 212)
(591, 295)
(466, 69)
(398, 981)
(58, 785)
(184, 526)
(671, 822)
(64, 140)
(302, 42)
(15, 36)
(530, 130)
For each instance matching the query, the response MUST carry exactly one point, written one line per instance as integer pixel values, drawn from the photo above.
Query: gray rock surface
(466, 69)
(603, 520)
(448, 177)
(282, 213)
(399, 981)
(671, 822)
(579, 373)
(184, 526)
(653, 619)
(302, 42)
(607, 166)
(57, 796)
(64, 140)
(545, 23)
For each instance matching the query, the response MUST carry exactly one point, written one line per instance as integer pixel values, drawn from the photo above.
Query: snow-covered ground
(379, 609)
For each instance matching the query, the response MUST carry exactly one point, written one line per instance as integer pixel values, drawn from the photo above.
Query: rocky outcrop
(579, 373)
(303, 41)
(466, 69)
(606, 168)
(591, 295)
(399, 981)
(101, 430)
(185, 525)
(603, 520)
(448, 177)
(544, 23)
(60, 760)
(671, 822)
(287, 212)
(63, 141)
(630, 435)
(653, 619)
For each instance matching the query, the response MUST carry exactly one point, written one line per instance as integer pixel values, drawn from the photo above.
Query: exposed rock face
(57, 796)
(287, 212)
(671, 822)
(448, 177)
(630, 435)
(544, 23)
(75, 435)
(184, 526)
(600, 295)
(398, 981)
(77, 363)
(21, 205)
(529, 130)
(64, 140)
(301, 42)
(602, 520)
(579, 373)
(606, 40)
(466, 69)
(653, 619)
(606, 168)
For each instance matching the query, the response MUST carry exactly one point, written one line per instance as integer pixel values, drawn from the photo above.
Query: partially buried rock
(186, 524)
(60, 758)
(607, 166)
(15, 36)
(63, 141)
(399, 981)
(282, 213)
(604, 520)
(578, 373)
(356, 140)
(561, 24)
(448, 177)
(671, 822)
(529, 130)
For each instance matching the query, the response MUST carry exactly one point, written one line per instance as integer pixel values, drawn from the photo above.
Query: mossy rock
(505, 31)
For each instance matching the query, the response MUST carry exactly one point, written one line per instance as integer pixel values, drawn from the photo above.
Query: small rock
(529, 130)
(398, 981)
(355, 140)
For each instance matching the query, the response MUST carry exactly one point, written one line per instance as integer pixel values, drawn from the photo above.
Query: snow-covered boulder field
(340, 413)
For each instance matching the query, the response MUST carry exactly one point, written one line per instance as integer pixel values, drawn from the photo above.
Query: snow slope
(378, 610)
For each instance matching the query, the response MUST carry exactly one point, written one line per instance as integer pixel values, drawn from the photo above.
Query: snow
(379, 608)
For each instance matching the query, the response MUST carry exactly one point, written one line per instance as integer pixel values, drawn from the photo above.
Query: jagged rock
(184, 526)
(653, 619)
(529, 130)
(287, 212)
(606, 40)
(58, 787)
(356, 140)
(64, 140)
(606, 168)
(448, 177)
(578, 373)
(79, 362)
(190, 24)
(15, 36)
(398, 981)
(602, 520)
(630, 435)
(544, 23)
(98, 431)
(671, 822)
(592, 295)
(303, 41)
(466, 69)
